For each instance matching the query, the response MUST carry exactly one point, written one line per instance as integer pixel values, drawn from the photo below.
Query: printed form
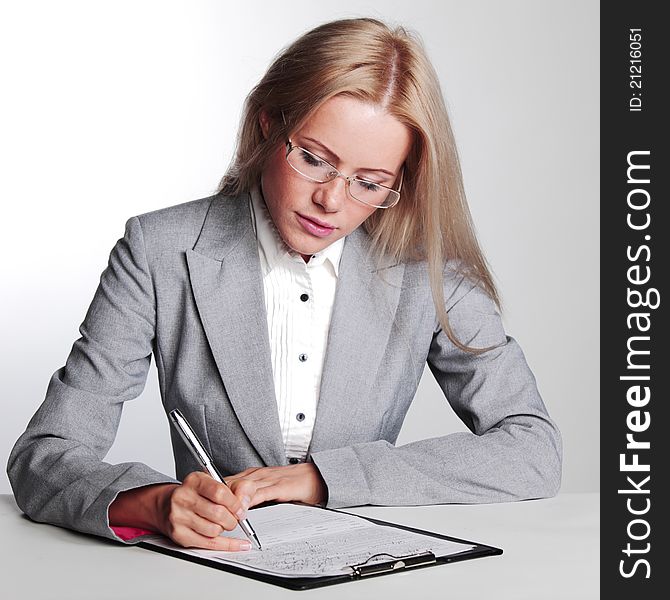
(306, 541)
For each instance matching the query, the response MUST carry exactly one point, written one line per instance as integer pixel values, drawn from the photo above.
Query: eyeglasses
(319, 170)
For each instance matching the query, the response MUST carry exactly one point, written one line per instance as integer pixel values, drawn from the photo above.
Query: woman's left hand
(301, 483)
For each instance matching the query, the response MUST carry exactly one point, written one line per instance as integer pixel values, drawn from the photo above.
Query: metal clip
(397, 563)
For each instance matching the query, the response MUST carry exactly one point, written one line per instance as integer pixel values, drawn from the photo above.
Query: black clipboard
(394, 564)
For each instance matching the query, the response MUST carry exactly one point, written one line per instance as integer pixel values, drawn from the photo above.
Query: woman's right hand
(199, 510)
(192, 514)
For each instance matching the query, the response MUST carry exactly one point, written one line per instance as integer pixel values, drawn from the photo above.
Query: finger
(278, 491)
(245, 473)
(244, 489)
(186, 504)
(203, 526)
(223, 543)
(218, 493)
(192, 539)
(211, 500)
(217, 513)
(202, 483)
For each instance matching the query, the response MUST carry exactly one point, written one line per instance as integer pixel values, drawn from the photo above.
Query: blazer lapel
(225, 274)
(365, 304)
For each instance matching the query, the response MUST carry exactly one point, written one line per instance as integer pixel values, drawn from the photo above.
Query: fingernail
(245, 545)
(246, 501)
(240, 514)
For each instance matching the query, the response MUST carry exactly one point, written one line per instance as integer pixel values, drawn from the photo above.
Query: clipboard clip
(396, 563)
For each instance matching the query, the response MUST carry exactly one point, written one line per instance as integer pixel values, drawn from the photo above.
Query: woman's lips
(317, 228)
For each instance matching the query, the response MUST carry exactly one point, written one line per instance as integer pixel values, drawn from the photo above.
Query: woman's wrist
(145, 507)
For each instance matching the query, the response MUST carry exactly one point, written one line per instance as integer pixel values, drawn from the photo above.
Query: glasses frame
(335, 173)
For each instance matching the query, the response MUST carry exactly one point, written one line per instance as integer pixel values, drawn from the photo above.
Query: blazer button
(300, 416)
(304, 297)
(293, 460)
(302, 357)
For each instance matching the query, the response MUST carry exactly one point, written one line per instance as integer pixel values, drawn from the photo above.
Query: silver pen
(198, 450)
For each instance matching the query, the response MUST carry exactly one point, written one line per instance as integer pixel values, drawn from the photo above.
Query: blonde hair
(367, 60)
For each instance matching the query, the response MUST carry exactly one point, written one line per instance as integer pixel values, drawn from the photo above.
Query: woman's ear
(264, 120)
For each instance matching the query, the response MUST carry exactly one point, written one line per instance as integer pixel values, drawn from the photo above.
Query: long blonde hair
(366, 59)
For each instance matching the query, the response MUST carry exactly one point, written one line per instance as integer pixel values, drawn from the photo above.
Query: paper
(304, 541)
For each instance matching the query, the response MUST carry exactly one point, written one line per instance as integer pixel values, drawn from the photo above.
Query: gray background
(111, 109)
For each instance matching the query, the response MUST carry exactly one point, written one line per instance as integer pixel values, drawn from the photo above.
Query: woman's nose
(332, 195)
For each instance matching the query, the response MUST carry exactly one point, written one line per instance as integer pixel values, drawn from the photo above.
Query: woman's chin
(305, 247)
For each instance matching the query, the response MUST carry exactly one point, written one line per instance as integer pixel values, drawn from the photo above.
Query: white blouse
(299, 299)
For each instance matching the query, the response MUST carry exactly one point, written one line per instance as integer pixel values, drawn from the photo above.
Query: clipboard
(365, 570)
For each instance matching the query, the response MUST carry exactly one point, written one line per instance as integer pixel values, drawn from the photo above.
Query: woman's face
(356, 137)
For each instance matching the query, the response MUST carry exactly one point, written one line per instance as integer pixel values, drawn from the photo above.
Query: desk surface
(551, 550)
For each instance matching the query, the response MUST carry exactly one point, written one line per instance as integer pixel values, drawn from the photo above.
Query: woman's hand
(301, 483)
(192, 514)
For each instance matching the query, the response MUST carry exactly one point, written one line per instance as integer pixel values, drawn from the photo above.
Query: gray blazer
(184, 283)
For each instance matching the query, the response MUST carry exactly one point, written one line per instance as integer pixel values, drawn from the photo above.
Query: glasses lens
(310, 165)
(373, 194)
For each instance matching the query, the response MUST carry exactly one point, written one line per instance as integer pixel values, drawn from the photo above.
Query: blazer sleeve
(56, 467)
(512, 451)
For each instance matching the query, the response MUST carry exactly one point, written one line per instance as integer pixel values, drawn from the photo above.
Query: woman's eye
(311, 159)
(369, 186)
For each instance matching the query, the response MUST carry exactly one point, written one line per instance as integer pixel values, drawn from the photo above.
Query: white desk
(551, 550)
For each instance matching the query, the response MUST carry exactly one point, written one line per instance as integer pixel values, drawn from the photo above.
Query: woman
(291, 316)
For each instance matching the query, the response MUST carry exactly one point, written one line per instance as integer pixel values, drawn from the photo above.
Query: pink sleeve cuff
(128, 533)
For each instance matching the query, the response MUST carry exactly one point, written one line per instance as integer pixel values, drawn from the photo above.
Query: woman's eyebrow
(334, 156)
